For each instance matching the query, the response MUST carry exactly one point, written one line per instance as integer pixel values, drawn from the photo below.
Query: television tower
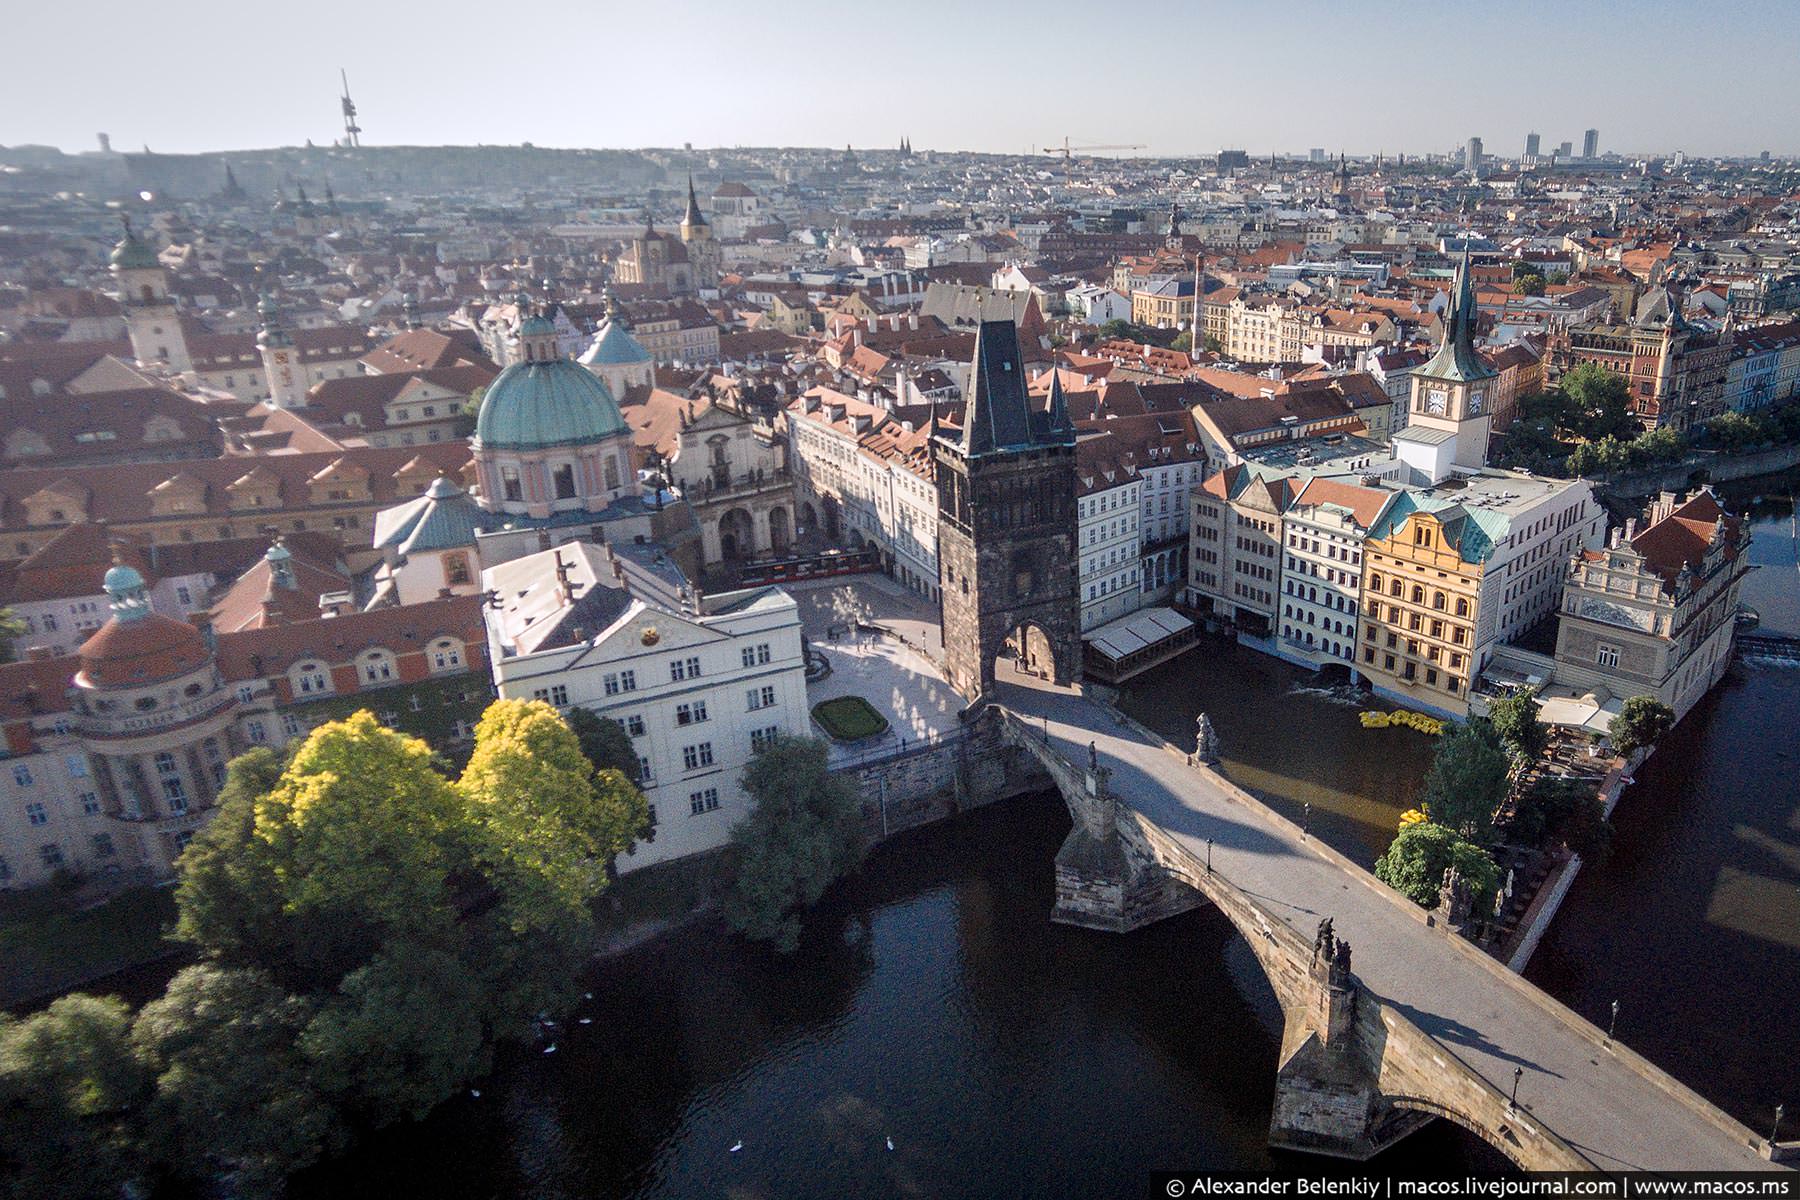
(352, 131)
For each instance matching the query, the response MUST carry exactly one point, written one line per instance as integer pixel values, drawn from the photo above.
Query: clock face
(1437, 401)
(1474, 403)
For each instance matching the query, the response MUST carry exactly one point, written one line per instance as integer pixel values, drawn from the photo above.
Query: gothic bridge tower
(1007, 555)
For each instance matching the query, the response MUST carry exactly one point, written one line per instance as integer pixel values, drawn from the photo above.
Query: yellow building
(1422, 576)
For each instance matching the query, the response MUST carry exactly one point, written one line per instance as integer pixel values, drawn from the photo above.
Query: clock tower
(1447, 422)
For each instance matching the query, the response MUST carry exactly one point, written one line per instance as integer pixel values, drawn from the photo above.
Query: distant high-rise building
(1233, 160)
(1472, 155)
(1531, 145)
(1590, 144)
(1316, 154)
(1565, 150)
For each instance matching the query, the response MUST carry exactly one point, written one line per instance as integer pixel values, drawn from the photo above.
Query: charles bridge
(1425, 1025)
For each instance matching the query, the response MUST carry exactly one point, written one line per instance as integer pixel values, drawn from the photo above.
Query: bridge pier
(1103, 881)
(1327, 1093)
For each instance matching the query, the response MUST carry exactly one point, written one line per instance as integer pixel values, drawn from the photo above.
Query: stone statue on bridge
(1324, 942)
(1340, 964)
(1093, 756)
(1455, 898)
(1206, 741)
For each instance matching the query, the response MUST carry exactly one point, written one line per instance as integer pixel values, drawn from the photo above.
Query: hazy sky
(1707, 76)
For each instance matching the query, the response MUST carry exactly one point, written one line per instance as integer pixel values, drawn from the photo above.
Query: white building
(862, 477)
(699, 686)
(1109, 529)
(1322, 572)
(1097, 304)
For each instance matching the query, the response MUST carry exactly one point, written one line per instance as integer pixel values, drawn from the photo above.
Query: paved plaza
(892, 670)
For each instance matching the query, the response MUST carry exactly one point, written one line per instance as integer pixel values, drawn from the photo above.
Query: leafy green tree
(605, 742)
(549, 827)
(804, 833)
(1467, 780)
(1415, 862)
(551, 818)
(1212, 345)
(1658, 446)
(1737, 431)
(1528, 285)
(360, 837)
(1557, 278)
(234, 1095)
(1583, 461)
(1600, 402)
(69, 1086)
(1515, 719)
(12, 628)
(1641, 721)
(403, 1033)
(1183, 341)
(226, 896)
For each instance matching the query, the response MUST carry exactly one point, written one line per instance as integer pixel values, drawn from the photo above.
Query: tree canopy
(1467, 780)
(804, 833)
(1641, 721)
(1416, 859)
(367, 928)
(1515, 720)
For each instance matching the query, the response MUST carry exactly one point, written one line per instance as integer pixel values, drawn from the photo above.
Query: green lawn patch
(48, 945)
(849, 718)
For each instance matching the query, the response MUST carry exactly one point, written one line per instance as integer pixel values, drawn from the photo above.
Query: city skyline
(1564, 69)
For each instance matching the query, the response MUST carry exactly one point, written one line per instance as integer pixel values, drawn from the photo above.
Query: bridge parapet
(1356, 1076)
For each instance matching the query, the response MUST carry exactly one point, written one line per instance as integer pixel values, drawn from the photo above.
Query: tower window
(509, 484)
(563, 477)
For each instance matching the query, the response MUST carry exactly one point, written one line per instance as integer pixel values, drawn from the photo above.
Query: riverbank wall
(905, 786)
(1712, 467)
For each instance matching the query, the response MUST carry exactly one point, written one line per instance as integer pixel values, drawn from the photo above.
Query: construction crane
(1068, 152)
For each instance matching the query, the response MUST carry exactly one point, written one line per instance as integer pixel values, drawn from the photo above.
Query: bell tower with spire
(151, 319)
(697, 236)
(281, 362)
(1007, 559)
(1448, 418)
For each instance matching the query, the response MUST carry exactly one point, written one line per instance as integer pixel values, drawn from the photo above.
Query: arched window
(1418, 594)
(310, 678)
(1462, 606)
(377, 666)
(1395, 587)
(446, 654)
(1437, 600)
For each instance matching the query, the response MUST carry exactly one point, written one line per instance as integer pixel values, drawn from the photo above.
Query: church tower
(1007, 560)
(151, 320)
(697, 236)
(281, 362)
(1447, 422)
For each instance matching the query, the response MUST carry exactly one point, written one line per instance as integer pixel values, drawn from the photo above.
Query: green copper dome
(537, 405)
(134, 254)
(614, 346)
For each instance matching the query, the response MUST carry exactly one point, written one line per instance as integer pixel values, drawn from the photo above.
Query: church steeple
(693, 218)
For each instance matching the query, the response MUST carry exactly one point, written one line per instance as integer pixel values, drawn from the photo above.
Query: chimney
(333, 604)
(38, 654)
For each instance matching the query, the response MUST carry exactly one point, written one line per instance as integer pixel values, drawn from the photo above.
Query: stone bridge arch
(1355, 1076)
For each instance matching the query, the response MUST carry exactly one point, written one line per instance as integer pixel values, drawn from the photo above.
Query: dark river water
(934, 1003)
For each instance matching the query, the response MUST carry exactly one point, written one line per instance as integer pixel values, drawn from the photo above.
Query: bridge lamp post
(1305, 821)
(1612, 1024)
(1209, 856)
(1513, 1103)
(1775, 1132)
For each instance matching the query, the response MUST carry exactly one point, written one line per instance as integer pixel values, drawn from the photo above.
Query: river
(934, 1003)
